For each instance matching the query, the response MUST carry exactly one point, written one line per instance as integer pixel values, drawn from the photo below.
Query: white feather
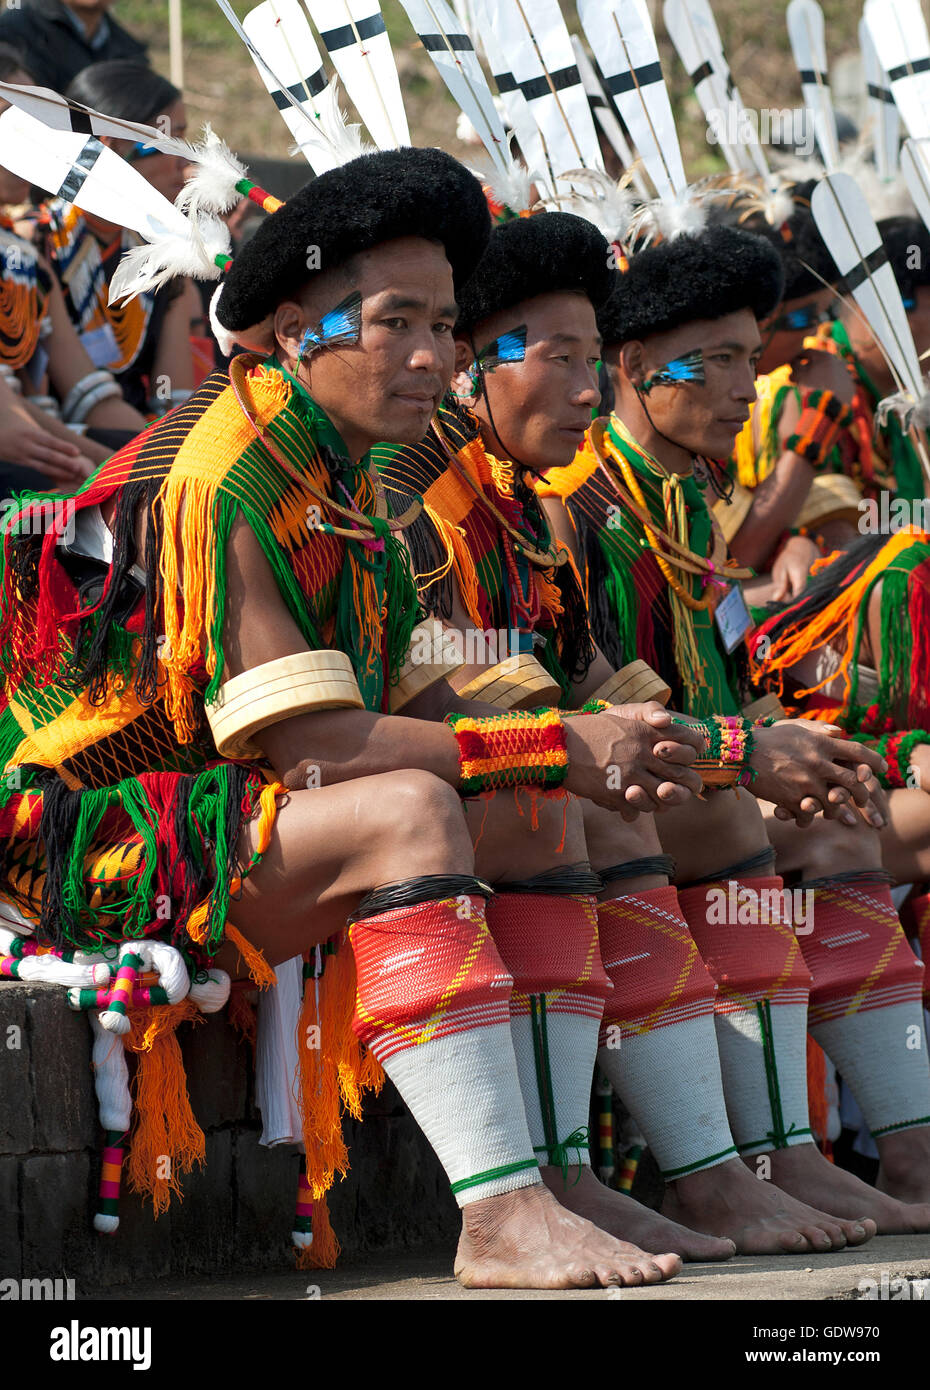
(537, 44)
(329, 140)
(806, 32)
(668, 218)
(153, 264)
(513, 187)
(213, 187)
(608, 204)
(366, 67)
(899, 34)
(55, 111)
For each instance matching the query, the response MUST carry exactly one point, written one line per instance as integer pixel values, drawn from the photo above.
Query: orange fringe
(333, 1075)
(258, 968)
(817, 1091)
(325, 1250)
(562, 482)
(166, 1140)
(241, 1012)
(834, 626)
(183, 636)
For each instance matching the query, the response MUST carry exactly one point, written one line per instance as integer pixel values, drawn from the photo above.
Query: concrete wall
(236, 1213)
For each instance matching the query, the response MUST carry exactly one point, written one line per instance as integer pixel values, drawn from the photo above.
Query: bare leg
(901, 1200)
(330, 846)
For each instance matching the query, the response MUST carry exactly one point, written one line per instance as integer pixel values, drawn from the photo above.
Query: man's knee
(412, 804)
(828, 847)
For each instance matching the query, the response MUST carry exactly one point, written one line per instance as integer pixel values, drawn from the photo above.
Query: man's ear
(288, 328)
(462, 383)
(632, 362)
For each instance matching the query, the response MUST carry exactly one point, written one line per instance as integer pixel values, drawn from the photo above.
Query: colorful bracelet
(896, 749)
(730, 743)
(823, 418)
(516, 749)
(593, 706)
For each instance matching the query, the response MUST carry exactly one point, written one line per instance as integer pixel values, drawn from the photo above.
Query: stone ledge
(236, 1214)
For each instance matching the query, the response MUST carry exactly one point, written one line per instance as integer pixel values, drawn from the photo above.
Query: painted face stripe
(80, 170)
(344, 36)
(645, 76)
(314, 84)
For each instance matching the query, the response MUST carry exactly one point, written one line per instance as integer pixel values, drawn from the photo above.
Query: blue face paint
(808, 316)
(690, 367)
(909, 302)
(342, 326)
(509, 347)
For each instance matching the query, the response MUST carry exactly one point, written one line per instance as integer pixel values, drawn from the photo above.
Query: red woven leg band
(424, 972)
(750, 958)
(549, 945)
(858, 953)
(918, 925)
(652, 962)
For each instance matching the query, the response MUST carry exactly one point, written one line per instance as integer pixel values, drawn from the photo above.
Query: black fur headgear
(529, 256)
(694, 276)
(393, 193)
(797, 241)
(902, 236)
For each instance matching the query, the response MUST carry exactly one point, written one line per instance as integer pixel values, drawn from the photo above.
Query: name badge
(101, 346)
(733, 618)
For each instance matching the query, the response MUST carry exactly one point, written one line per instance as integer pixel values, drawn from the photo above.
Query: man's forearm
(339, 745)
(776, 503)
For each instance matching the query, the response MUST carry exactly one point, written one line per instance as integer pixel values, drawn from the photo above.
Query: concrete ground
(427, 1276)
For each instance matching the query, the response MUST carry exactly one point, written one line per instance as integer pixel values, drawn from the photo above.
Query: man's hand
(632, 763)
(804, 769)
(792, 566)
(23, 441)
(822, 371)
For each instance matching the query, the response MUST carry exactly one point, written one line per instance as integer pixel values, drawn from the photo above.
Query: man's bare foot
(806, 1174)
(526, 1240)
(623, 1217)
(905, 1165)
(759, 1217)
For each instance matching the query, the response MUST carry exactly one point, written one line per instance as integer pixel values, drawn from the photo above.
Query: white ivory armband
(432, 657)
(634, 684)
(519, 682)
(299, 684)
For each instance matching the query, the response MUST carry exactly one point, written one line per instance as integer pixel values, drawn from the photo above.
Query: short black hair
(529, 256)
(12, 62)
(374, 198)
(901, 237)
(124, 88)
(702, 275)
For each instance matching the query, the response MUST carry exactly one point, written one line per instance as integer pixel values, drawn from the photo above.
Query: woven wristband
(823, 418)
(730, 742)
(896, 749)
(516, 749)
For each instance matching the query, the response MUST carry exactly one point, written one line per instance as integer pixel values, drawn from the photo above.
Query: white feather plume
(667, 218)
(912, 413)
(608, 204)
(334, 138)
(153, 264)
(213, 187)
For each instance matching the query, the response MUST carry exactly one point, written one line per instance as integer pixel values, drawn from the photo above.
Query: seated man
(528, 343)
(243, 545)
(681, 340)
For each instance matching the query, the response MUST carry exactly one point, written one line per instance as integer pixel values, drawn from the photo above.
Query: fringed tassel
(167, 1140)
(335, 1073)
(186, 567)
(817, 1104)
(324, 1252)
(260, 971)
(241, 1012)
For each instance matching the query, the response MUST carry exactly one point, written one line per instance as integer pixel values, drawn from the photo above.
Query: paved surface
(426, 1275)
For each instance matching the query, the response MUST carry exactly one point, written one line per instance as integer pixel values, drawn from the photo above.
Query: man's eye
(723, 357)
(442, 327)
(394, 323)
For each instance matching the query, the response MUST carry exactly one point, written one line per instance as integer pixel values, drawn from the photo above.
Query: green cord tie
(558, 1153)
